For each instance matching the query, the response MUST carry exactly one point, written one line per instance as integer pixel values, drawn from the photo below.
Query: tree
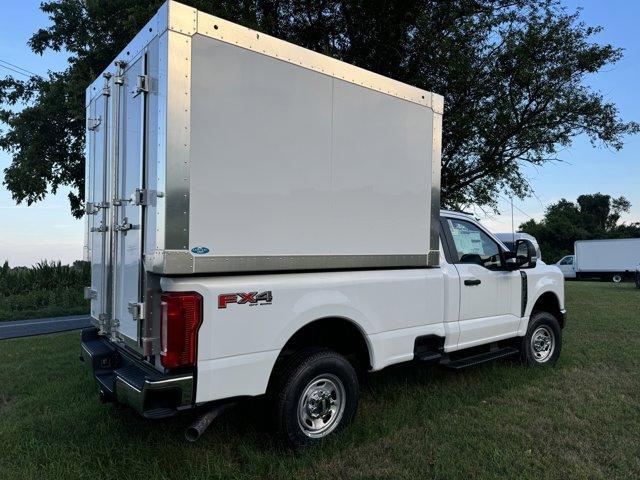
(592, 216)
(512, 73)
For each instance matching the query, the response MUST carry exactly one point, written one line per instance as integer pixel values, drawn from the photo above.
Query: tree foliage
(512, 73)
(590, 217)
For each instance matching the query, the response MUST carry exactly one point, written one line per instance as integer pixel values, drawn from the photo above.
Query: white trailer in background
(265, 219)
(614, 259)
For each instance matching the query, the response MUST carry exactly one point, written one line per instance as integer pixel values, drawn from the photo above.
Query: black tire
(304, 370)
(542, 326)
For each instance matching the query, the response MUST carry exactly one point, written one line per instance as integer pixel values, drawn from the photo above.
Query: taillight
(181, 319)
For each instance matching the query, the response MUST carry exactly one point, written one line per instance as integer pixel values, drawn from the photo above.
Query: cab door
(487, 305)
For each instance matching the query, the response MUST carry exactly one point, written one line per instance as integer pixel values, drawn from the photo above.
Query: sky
(47, 230)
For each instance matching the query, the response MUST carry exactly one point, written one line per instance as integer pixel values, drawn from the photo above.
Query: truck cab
(493, 298)
(567, 266)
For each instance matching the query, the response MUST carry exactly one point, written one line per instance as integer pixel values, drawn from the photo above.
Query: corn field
(45, 290)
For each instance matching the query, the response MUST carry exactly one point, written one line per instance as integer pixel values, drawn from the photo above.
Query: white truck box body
(323, 162)
(615, 255)
(212, 148)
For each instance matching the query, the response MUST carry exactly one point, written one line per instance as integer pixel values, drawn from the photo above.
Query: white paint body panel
(390, 307)
(487, 311)
(616, 255)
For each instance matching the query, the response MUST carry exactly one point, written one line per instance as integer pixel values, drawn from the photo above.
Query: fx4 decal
(251, 298)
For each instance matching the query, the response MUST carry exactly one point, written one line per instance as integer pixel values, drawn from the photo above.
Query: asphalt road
(42, 326)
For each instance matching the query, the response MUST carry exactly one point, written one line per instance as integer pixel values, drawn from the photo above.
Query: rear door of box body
(129, 198)
(117, 173)
(97, 198)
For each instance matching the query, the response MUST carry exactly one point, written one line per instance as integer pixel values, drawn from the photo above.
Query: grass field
(580, 419)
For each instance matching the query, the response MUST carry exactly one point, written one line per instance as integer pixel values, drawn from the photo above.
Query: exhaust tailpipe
(198, 427)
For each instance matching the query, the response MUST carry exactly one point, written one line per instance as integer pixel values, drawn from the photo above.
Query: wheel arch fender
(340, 333)
(547, 301)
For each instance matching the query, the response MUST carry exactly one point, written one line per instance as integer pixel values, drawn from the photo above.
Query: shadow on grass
(409, 393)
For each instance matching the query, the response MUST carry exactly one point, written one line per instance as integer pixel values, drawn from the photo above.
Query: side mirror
(526, 255)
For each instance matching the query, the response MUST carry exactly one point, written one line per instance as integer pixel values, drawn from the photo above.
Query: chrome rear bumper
(130, 381)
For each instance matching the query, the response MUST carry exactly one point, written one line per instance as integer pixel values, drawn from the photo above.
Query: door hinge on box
(140, 196)
(92, 208)
(93, 123)
(90, 293)
(137, 310)
(142, 85)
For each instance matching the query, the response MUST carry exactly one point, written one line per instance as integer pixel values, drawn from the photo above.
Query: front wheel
(314, 395)
(543, 341)
(616, 278)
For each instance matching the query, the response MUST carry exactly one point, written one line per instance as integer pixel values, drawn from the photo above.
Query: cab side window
(566, 261)
(473, 245)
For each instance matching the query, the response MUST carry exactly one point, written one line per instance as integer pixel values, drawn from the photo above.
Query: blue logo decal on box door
(200, 250)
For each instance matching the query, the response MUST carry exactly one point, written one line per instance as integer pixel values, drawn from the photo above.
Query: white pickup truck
(264, 220)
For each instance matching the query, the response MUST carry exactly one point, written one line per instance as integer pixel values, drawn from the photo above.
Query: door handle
(472, 282)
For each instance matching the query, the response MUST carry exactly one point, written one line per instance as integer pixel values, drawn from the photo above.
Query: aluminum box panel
(295, 169)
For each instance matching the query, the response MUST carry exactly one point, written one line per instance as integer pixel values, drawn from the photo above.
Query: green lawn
(580, 419)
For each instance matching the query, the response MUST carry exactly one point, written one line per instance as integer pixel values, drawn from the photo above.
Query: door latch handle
(124, 226)
(100, 229)
(472, 282)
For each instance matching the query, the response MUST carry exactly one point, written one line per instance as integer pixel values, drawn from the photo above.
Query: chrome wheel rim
(321, 406)
(543, 344)
(617, 278)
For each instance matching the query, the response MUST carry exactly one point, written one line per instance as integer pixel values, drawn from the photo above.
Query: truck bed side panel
(238, 345)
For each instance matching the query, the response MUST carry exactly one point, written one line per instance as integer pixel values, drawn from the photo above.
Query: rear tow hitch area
(127, 380)
(197, 428)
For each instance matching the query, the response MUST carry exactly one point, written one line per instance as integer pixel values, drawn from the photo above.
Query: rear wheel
(314, 395)
(543, 341)
(616, 278)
